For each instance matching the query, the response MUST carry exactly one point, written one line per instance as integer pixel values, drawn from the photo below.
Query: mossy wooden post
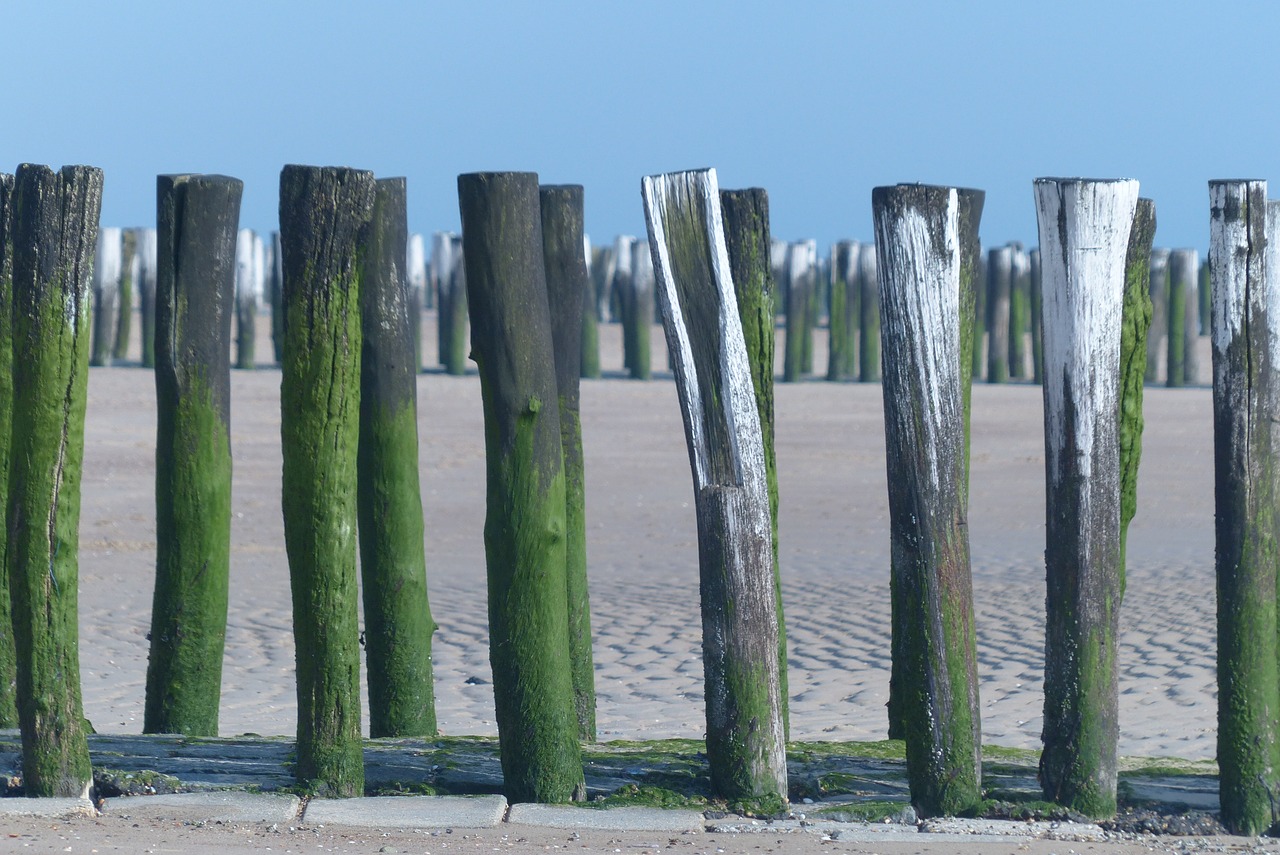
(323, 212)
(106, 293)
(999, 273)
(393, 565)
(55, 229)
(1019, 310)
(745, 214)
(1246, 403)
(439, 273)
(147, 272)
(637, 317)
(124, 305)
(813, 304)
(1158, 291)
(276, 291)
(1037, 319)
(416, 275)
(589, 359)
(568, 284)
(1176, 315)
(869, 307)
(1135, 326)
(1184, 269)
(923, 330)
(843, 325)
(745, 732)
(799, 282)
(247, 289)
(525, 523)
(8, 663)
(1084, 235)
(196, 218)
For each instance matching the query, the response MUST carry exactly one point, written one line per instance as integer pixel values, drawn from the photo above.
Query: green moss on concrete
(638, 795)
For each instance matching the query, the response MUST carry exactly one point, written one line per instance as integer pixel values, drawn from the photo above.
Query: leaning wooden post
(1084, 234)
(918, 244)
(525, 524)
(1243, 230)
(1135, 326)
(745, 734)
(124, 305)
(999, 273)
(745, 214)
(8, 662)
(567, 286)
(196, 217)
(393, 565)
(147, 271)
(55, 229)
(1158, 290)
(106, 290)
(1037, 319)
(322, 214)
(869, 305)
(1184, 271)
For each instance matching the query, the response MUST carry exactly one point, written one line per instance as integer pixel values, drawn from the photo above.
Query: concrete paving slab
(226, 806)
(610, 819)
(408, 812)
(46, 808)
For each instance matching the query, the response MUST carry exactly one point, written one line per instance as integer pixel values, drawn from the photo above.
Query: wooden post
(1158, 290)
(1243, 232)
(1184, 271)
(745, 734)
(416, 274)
(124, 305)
(745, 214)
(277, 299)
(843, 326)
(147, 272)
(1205, 281)
(106, 292)
(799, 282)
(322, 214)
(813, 302)
(1135, 325)
(451, 277)
(1037, 319)
(393, 566)
(869, 329)
(980, 317)
(196, 217)
(8, 661)
(1019, 310)
(999, 274)
(525, 523)
(590, 358)
(923, 326)
(55, 229)
(638, 316)
(247, 290)
(1176, 373)
(1084, 235)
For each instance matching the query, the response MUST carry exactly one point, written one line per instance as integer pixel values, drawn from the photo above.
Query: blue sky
(816, 102)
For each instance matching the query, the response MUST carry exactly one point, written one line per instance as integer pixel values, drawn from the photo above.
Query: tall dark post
(567, 287)
(525, 524)
(196, 218)
(1246, 410)
(393, 564)
(745, 734)
(147, 263)
(323, 212)
(1084, 236)
(55, 229)
(8, 663)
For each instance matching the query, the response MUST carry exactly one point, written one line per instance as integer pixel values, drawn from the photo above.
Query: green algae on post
(323, 212)
(1135, 324)
(393, 566)
(55, 229)
(8, 664)
(195, 279)
(525, 524)
(842, 356)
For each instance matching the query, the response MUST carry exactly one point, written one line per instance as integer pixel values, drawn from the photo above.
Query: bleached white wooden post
(1243, 241)
(147, 294)
(1084, 235)
(745, 741)
(107, 262)
(918, 244)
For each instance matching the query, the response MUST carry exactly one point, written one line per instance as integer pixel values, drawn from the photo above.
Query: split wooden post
(1037, 319)
(106, 293)
(124, 305)
(247, 290)
(55, 229)
(565, 266)
(525, 523)
(1135, 326)
(196, 218)
(8, 661)
(799, 285)
(323, 212)
(147, 272)
(999, 273)
(276, 286)
(1084, 235)
(745, 215)
(842, 351)
(637, 316)
(918, 244)
(1184, 271)
(745, 733)
(1158, 290)
(1244, 237)
(589, 360)
(393, 565)
(869, 305)
(416, 274)
(1019, 310)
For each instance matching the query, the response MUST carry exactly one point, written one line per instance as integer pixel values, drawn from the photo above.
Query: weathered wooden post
(979, 359)
(106, 291)
(1158, 290)
(1244, 250)
(1205, 281)
(525, 523)
(1184, 270)
(1019, 310)
(55, 229)
(745, 734)
(589, 360)
(416, 274)
(147, 272)
(276, 286)
(8, 662)
(745, 215)
(565, 267)
(450, 273)
(1084, 235)
(843, 326)
(1135, 326)
(323, 212)
(637, 316)
(813, 304)
(799, 278)
(393, 566)
(1037, 319)
(248, 288)
(869, 305)
(124, 305)
(999, 273)
(196, 218)
(923, 327)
